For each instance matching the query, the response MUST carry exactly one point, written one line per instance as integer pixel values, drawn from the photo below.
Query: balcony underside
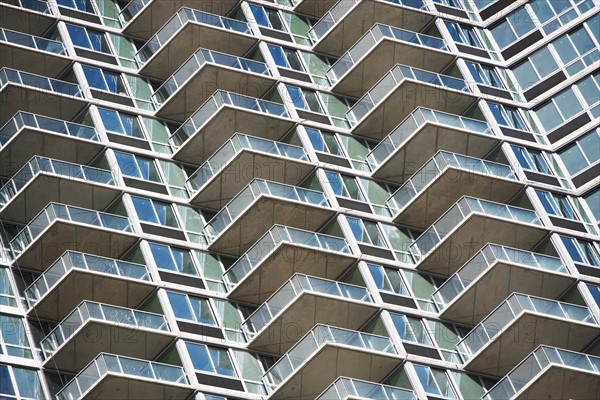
(496, 284)
(471, 235)
(403, 99)
(558, 383)
(181, 104)
(223, 124)
(328, 364)
(361, 18)
(265, 212)
(524, 335)
(447, 189)
(304, 312)
(241, 170)
(382, 58)
(44, 188)
(63, 236)
(152, 17)
(79, 285)
(24, 20)
(283, 262)
(314, 8)
(32, 60)
(117, 387)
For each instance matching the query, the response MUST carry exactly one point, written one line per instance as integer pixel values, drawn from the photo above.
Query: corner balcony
(206, 71)
(521, 323)
(466, 227)
(222, 115)
(26, 135)
(113, 377)
(185, 32)
(143, 18)
(39, 95)
(447, 177)
(76, 277)
(262, 204)
(378, 51)
(493, 274)
(300, 304)
(93, 328)
(58, 228)
(313, 8)
(31, 16)
(397, 95)
(281, 253)
(32, 53)
(552, 374)
(326, 353)
(347, 389)
(348, 20)
(43, 180)
(423, 133)
(241, 159)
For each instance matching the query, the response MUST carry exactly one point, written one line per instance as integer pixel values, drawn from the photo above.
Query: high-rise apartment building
(297, 199)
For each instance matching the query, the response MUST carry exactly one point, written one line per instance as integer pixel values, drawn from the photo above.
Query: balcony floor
(24, 20)
(562, 383)
(118, 387)
(32, 60)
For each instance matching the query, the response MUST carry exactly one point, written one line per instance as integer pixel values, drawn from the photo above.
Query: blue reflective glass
(111, 120)
(180, 306)
(259, 15)
(6, 385)
(94, 77)
(144, 209)
(162, 257)
(278, 55)
(78, 36)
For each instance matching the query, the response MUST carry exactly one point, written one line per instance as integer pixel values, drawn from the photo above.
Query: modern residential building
(299, 199)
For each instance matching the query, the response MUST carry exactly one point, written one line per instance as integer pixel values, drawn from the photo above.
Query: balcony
(206, 71)
(344, 24)
(470, 224)
(184, 33)
(143, 18)
(76, 277)
(493, 274)
(521, 323)
(32, 53)
(397, 95)
(550, 373)
(39, 95)
(446, 178)
(222, 115)
(94, 328)
(26, 135)
(326, 353)
(258, 207)
(299, 304)
(378, 51)
(43, 180)
(313, 8)
(32, 16)
(58, 228)
(424, 132)
(281, 253)
(347, 388)
(241, 159)
(113, 377)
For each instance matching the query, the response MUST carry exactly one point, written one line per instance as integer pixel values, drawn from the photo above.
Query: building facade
(294, 199)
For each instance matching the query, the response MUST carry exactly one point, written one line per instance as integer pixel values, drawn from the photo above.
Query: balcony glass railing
(348, 388)
(180, 18)
(253, 191)
(392, 79)
(277, 235)
(440, 162)
(39, 165)
(36, 5)
(296, 286)
(71, 260)
(91, 310)
(463, 208)
(214, 103)
(34, 42)
(27, 120)
(132, 9)
(196, 61)
(536, 363)
(416, 120)
(55, 211)
(313, 341)
(8, 75)
(486, 258)
(236, 144)
(131, 367)
(515, 305)
(375, 35)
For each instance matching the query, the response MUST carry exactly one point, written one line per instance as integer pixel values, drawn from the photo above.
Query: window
(13, 340)
(485, 75)
(193, 223)
(582, 154)
(251, 371)
(556, 204)
(434, 381)
(446, 336)
(81, 5)
(592, 200)
(104, 80)
(7, 297)
(532, 160)
(589, 88)
(366, 231)
(411, 329)
(191, 308)
(285, 58)
(559, 109)
(137, 167)
(471, 386)
(581, 251)
(450, 3)
(19, 382)
(516, 25)
(388, 280)
(232, 316)
(267, 17)
(211, 269)
(121, 123)
(538, 66)
(304, 99)
(210, 359)
(324, 142)
(463, 34)
(88, 39)
(154, 212)
(507, 116)
(344, 185)
(173, 259)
